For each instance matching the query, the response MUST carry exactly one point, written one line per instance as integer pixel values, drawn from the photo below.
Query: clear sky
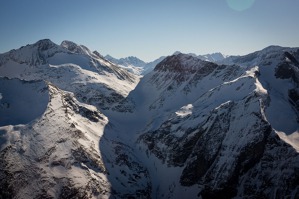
(149, 29)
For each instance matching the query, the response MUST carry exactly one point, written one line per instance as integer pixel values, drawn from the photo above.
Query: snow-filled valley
(76, 125)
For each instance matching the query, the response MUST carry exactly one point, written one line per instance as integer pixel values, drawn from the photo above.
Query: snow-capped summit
(180, 63)
(176, 52)
(44, 44)
(34, 54)
(98, 54)
(75, 48)
(71, 67)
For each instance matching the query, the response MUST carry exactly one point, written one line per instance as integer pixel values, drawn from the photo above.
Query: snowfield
(21, 102)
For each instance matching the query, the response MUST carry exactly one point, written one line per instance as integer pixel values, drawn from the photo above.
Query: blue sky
(152, 28)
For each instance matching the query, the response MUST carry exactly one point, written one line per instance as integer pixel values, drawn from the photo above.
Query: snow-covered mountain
(189, 129)
(134, 64)
(221, 131)
(218, 131)
(50, 132)
(127, 61)
(213, 57)
(71, 67)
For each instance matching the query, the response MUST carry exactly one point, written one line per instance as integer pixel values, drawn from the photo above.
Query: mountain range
(134, 64)
(139, 67)
(76, 124)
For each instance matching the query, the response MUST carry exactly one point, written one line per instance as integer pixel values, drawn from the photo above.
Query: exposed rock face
(288, 69)
(181, 63)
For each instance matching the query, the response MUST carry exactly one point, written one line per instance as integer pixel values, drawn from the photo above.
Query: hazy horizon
(150, 29)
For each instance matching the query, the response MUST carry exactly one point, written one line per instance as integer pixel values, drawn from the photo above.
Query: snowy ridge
(55, 155)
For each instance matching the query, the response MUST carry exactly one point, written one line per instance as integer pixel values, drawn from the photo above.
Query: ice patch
(292, 139)
(185, 111)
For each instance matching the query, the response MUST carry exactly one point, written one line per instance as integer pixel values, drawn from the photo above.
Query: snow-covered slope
(71, 67)
(18, 98)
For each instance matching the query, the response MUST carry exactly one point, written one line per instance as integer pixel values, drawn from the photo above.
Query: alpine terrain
(134, 64)
(76, 124)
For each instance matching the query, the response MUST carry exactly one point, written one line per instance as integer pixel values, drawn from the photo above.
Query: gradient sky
(149, 29)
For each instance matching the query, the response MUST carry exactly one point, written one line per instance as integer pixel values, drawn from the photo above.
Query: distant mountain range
(214, 57)
(134, 64)
(139, 67)
(76, 124)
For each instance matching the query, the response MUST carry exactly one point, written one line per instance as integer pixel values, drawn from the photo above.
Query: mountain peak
(75, 48)
(44, 44)
(98, 54)
(177, 53)
(43, 41)
(180, 62)
(71, 46)
(272, 47)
